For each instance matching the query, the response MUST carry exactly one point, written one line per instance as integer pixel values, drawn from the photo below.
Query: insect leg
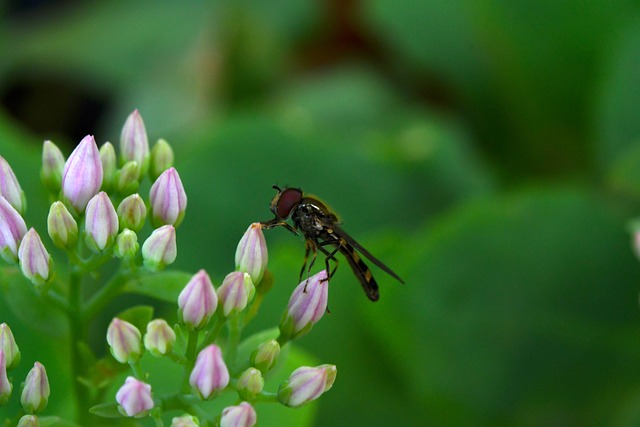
(311, 246)
(330, 256)
(307, 250)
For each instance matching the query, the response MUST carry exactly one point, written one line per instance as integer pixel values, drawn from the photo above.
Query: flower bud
(126, 246)
(35, 261)
(185, 421)
(29, 421)
(161, 159)
(251, 254)
(101, 223)
(134, 398)
(35, 393)
(160, 250)
(10, 188)
(235, 292)
(61, 226)
(210, 374)
(242, 415)
(108, 161)
(168, 199)
(132, 212)
(250, 384)
(134, 145)
(127, 179)
(306, 384)
(5, 385)
(11, 232)
(82, 175)
(198, 301)
(159, 338)
(306, 307)
(52, 166)
(124, 340)
(9, 346)
(265, 356)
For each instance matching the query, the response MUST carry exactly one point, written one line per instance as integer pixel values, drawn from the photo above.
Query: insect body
(322, 231)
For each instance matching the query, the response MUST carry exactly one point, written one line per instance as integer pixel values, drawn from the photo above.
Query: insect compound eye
(287, 200)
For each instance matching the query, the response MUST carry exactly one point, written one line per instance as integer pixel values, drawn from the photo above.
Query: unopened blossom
(242, 415)
(5, 385)
(250, 383)
(127, 179)
(35, 261)
(124, 340)
(134, 398)
(265, 356)
(9, 346)
(251, 253)
(82, 175)
(185, 421)
(10, 187)
(210, 374)
(168, 199)
(197, 301)
(61, 226)
(132, 212)
(161, 158)
(235, 292)
(306, 384)
(101, 223)
(52, 166)
(108, 160)
(307, 305)
(35, 393)
(126, 246)
(160, 250)
(159, 338)
(134, 144)
(12, 229)
(29, 421)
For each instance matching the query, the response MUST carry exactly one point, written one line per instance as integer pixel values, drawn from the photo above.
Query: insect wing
(342, 234)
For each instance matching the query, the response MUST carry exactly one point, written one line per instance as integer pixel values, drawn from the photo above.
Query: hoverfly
(321, 229)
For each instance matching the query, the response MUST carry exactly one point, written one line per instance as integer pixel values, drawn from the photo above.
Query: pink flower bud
(5, 385)
(265, 356)
(9, 346)
(35, 393)
(35, 261)
(160, 250)
(101, 223)
(124, 340)
(242, 415)
(307, 305)
(134, 144)
(61, 226)
(251, 254)
(168, 199)
(134, 398)
(210, 374)
(132, 212)
(306, 384)
(12, 229)
(52, 166)
(159, 338)
(198, 301)
(161, 158)
(185, 421)
(235, 292)
(82, 175)
(10, 188)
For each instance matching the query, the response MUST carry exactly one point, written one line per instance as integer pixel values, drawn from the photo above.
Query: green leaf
(138, 316)
(165, 286)
(106, 410)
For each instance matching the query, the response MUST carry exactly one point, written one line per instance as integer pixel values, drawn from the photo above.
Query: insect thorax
(312, 220)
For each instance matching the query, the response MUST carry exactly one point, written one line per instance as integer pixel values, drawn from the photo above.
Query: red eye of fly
(287, 200)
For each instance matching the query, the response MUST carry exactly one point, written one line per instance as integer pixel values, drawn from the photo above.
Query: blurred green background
(487, 151)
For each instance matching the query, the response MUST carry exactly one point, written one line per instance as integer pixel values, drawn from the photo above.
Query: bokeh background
(487, 151)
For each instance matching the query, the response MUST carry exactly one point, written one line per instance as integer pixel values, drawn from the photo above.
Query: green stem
(253, 310)
(190, 355)
(266, 396)
(137, 371)
(213, 332)
(101, 298)
(77, 330)
(56, 300)
(234, 340)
